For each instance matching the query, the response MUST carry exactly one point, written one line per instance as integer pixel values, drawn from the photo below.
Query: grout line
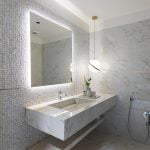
(9, 89)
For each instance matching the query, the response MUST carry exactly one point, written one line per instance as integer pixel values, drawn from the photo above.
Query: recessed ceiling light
(38, 22)
(35, 32)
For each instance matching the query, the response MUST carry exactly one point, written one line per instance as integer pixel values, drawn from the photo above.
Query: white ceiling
(47, 30)
(109, 9)
(106, 10)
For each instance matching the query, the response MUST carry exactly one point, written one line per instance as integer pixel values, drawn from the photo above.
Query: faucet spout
(60, 95)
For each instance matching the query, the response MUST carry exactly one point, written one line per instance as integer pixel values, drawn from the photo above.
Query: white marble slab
(52, 143)
(62, 123)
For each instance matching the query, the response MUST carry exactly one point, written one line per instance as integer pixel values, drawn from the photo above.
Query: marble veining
(56, 119)
(126, 51)
(57, 58)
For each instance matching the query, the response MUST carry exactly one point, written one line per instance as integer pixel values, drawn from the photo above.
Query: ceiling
(46, 30)
(109, 9)
(106, 10)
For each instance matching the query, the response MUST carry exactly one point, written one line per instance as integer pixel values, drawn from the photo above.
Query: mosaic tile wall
(15, 93)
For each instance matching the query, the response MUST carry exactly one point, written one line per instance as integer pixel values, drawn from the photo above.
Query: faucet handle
(60, 92)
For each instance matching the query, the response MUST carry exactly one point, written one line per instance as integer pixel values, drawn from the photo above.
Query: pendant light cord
(94, 39)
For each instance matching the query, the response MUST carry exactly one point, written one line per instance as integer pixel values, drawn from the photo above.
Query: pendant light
(94, 65)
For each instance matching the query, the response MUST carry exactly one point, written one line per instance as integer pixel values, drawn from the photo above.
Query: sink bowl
(73, 105)
(62, 119)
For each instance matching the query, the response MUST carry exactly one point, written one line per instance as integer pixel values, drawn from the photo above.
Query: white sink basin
(62, 119)
(73, 105)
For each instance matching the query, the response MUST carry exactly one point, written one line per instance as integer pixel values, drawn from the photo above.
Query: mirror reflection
(51, 52)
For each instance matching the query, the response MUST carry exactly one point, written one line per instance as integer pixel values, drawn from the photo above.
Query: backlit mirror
(51, 52)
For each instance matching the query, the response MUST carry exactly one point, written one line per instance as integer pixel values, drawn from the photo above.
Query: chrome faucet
(60, 95)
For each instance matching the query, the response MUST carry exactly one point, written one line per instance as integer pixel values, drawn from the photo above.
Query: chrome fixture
(146, 115)
(60, 95)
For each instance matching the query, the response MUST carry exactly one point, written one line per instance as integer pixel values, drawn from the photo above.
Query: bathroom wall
(36, 64)
(57, 58)
(50, 62)
(124, 53)
(15, 93)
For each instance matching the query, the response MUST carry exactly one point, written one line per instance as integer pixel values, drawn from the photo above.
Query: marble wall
(124, 53)
(15, 91)
(56, 61)
(50, 62)
(36, 64)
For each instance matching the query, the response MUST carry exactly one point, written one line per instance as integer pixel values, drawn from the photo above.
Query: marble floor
(98, 141)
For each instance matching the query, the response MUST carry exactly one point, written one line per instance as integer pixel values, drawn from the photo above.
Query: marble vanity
(64, 118)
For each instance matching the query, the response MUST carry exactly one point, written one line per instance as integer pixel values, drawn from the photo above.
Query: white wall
(36, 64)
(15, 133)
(56, 61)
(124, 53)
(50, 62)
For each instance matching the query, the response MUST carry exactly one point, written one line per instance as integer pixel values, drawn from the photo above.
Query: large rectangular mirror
(51, 52)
